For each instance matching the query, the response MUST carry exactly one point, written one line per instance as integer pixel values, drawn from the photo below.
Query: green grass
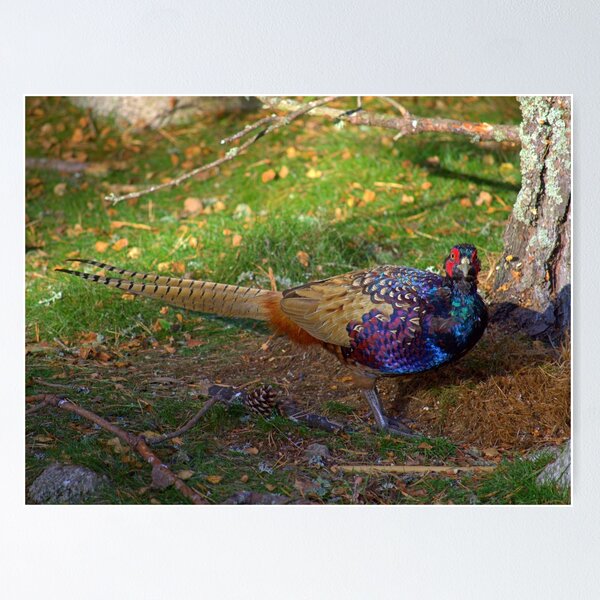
(325, 217)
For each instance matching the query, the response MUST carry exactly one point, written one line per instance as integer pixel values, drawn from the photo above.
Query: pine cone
(262, 401)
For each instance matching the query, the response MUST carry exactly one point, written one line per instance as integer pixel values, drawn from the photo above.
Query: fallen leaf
(483, 198)
(291, 152)
(506, 167)
(101, 247)
(184, 474)
(236, 240)
(283, 172)
(77, 136)
(346, 154)
(252, 450)
(303, 257)
(491, 452)
(314, 173)
(115, 444)
(369, 195)
(192, 205)
(60, 189)
(268, 176)
(97, 169)
(120, 244)
(425, 446)
(218, 206)
(406, 199)
(466, 202)
(119, 224)
(244, 478)
(134, 252)
(214, 478)
(426, 185)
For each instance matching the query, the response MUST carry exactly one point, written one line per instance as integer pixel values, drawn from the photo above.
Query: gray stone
(158, 111)
(319, 450)
(559, 470)
(66, 484)
(317, 455)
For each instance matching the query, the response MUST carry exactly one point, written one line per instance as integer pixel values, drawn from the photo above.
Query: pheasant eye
(454, 254)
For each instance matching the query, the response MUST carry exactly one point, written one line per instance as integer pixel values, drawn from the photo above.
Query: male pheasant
(385, 321)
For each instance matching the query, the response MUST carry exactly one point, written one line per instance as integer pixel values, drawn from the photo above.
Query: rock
(158, 111)
(66, 484)
(317, 455)
(559, 470)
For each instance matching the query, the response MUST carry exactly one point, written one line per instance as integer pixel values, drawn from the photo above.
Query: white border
(185, 47)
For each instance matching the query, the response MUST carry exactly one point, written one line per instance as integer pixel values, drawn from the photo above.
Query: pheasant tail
(203, 296)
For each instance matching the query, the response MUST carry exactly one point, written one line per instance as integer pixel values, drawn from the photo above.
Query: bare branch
(406, 124)
(160, 472)
(189, 425)
(383, 469)
(272, 123)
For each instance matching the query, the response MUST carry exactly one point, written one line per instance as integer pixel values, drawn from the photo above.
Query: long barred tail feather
(203, 296)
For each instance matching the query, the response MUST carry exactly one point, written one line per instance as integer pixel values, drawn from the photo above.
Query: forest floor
(308, 201)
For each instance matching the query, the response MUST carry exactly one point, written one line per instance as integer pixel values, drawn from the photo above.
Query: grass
(445, 190)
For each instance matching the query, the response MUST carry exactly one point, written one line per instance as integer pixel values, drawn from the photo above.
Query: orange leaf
(483, 198)
(426, 185)
(283, 172)
(291, 152)
(120, 244)
(466, 202)
(369, 196)
(214, 478)
(193, 205)
(314, 173)
(101, 247)
(303, 257)
(236, 240)
(268, 176)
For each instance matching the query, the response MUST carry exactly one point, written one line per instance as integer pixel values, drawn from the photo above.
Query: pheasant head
(462, 263)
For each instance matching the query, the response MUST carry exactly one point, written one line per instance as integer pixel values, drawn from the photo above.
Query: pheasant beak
(466, 268)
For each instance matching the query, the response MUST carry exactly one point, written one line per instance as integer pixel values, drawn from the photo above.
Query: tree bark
(533, 283)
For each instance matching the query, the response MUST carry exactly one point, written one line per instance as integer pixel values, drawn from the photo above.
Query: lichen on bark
(534, 271)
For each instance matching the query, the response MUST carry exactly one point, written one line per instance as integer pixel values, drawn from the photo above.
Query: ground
(310, 201)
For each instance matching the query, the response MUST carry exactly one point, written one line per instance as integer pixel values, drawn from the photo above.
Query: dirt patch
(509, 392)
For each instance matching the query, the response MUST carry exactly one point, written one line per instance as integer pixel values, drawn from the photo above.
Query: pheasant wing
(326, 308)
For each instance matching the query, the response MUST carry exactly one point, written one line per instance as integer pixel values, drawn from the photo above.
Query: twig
(161, 474)
(401, 109)
(407, 125)
(378, 469)
(273, 122)
(191, 423)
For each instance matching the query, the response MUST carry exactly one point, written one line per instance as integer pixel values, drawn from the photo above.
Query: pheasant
(384, 321)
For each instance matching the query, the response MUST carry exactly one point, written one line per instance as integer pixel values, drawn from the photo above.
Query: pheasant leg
(383, 422)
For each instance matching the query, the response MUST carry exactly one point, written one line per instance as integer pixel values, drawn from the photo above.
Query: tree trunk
(533, 283)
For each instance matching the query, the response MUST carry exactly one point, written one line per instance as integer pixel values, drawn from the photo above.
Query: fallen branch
(55, 164)
(189, 425)
(270, 123)
(406, 124)
(162, 476)
(382, 469)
